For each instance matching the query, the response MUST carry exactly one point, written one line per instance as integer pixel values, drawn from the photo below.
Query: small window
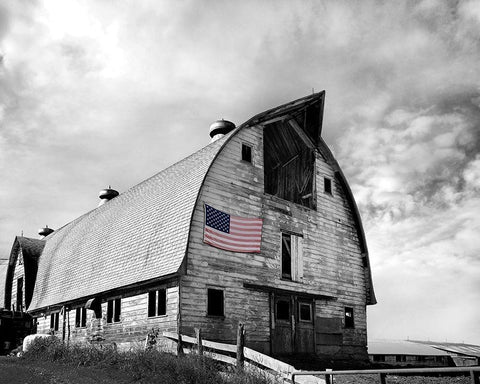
(283, 310)
(113, 310)
(327, 185)
(379, 358)
(215, 305)
(20, 294)
(54, 317)
(80, 317)
(246, 153)
(305, 312)
(349, 323)
(286, 256)
(157, 303)
(400, 358)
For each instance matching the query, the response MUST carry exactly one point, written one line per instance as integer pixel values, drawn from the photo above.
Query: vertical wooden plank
(198, 334)
(383, 378)
(474, 377)
(240, 346)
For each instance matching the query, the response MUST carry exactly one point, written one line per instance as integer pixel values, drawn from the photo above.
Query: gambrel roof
(141, 235)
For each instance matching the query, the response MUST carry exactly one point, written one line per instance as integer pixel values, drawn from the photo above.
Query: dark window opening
(80, 317)
(54, 317)
(305, 312)
(215, 305)
(349, 323)
(283, 310)
(20, 294)
(289, 165)
(379, 358)
(113, 310)
(157, 303)
(246, 153)
(400, 358)
(327, 185)
(286, 256)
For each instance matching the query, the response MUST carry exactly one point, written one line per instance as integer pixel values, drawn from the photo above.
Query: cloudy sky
(94, 93)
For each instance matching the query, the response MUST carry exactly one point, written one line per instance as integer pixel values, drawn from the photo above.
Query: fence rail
(244, 356)
(474, 373)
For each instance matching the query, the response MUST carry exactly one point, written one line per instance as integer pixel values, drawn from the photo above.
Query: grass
(150, 366)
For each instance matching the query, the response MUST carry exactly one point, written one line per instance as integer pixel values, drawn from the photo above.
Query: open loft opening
(289, 156)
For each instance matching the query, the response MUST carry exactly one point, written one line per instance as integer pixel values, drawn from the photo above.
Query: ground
(18, 371)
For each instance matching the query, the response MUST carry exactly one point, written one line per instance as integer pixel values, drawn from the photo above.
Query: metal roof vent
(106, 195)
(220, 128)
(45, 231)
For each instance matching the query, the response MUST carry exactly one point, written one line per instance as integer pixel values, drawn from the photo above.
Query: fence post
(474, 377)
(179, 345)
(240, 346)
(328, 378)
(383, 378)
(198, 334)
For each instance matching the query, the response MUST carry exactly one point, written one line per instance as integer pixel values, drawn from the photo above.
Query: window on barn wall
(327, 185)
(305, 312)
(292, 257)
(157, 303)
(113, 310)
(289, 165)
(54, 317)
(80, 317)
(20, 294)
(282, 310)
(349, 322)
(246, 152)
(215, 302)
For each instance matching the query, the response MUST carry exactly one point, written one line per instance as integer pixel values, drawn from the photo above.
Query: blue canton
(217, 219)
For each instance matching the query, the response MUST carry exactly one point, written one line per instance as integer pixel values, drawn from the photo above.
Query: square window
(246, 153)
(305, 312)
(157, 303)
(327, 185)
(113, 310)
(349, 323)
(215, 304)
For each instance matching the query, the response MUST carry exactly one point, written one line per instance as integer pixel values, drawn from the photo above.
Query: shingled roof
(138, 236)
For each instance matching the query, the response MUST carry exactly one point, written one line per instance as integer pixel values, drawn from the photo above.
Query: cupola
(106, 195)
(220, 128)
(45, 231)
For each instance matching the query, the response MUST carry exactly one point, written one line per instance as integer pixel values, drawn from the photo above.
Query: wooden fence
(239, 356)
(473, 372)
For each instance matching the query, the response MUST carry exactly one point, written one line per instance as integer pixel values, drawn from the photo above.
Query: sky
(98, 93)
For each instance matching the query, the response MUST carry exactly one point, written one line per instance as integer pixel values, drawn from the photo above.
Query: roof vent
(106, 195)
(45, 231)
(220, 128)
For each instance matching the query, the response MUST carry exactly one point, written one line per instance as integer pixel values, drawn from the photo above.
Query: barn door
(292, 325)
(282, 327)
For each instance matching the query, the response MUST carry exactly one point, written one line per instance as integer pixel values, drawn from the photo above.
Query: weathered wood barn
(258, 227)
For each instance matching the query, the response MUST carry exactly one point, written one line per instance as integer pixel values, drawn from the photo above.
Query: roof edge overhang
(132, 288)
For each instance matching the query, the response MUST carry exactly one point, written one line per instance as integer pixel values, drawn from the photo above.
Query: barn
(259, 227)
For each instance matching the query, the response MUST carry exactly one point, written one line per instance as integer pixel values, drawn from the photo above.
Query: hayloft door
(292, 325)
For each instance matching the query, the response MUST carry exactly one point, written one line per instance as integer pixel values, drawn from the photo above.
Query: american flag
(238, 234)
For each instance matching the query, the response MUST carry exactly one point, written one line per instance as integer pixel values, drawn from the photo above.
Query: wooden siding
(19, 272)
(134, 323)
(332, 260)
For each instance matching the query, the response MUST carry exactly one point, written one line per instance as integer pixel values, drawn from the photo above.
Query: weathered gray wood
(198, 334)
(383, 378)
(269, 362)
(240, 346)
